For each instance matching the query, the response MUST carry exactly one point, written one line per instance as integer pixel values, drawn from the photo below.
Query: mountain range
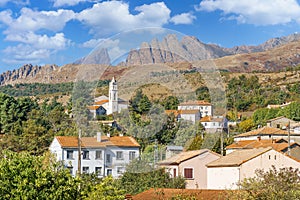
(273, 55)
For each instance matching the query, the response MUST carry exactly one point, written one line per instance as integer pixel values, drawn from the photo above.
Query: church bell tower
(113, 96)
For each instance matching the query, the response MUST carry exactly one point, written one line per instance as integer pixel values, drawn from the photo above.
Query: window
(119, 155)
(85, 170)
(275, 157)
(85, 155)
(120, 170)
(174, 172)
(69, 154)
(269, 157)
(108, 158)
(188, 173)
(99, 155)
(109, 172)
(131, 155)
(98, 171)
(70, 170)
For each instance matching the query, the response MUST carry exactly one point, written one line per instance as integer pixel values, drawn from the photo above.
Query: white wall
(222, 177)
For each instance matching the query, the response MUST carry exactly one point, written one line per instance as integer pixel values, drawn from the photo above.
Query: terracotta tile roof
(191, 103)
(93, 107)
(211, 119)
(91, 142)
(205, 119)
(189, 111)
(277, 145)
(237, 158)
(168, 194)
(183, 156)
(264, 131)
(101, 102)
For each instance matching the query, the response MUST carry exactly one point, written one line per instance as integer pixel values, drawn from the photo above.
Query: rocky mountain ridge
(273, 55)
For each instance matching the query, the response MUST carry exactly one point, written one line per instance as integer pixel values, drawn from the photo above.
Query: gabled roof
(168, 194)
(192, 103)
(278, 145)
(101, 102)
(95, 107)
(211, 119)
(237, 158)
(91, 142)
(183, 156)
(264, 131)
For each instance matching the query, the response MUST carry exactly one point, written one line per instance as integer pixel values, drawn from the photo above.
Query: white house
(214, 124)
(204, 107)
(191, 165)
(227, 171)
(104, 105)
(102, 155)
(188, 115)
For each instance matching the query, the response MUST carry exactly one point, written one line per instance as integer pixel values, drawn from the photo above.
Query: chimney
(121, 134)
(108, 135)
(258, 138)
(98, 136)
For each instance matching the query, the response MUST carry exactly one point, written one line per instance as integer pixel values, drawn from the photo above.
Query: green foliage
(23, 176)
(139, 103)
(203, 93)
(292, 111)
(106, 190)
(245, 94)
(170, 103)
(246, 125)
(134, 183)
(35, 89)
(271, 185)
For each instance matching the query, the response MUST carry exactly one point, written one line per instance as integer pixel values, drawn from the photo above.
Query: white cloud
(258, 12)
(30, 20)
(17, 2)
(59, 3)
(114, 16)
(184, 18)
(22, 54)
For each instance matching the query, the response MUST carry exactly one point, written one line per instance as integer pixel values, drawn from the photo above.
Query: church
(104, 105)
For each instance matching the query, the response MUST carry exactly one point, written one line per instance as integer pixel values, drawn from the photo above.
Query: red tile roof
(250, 144)
(191, 103)
(93, 107)
(168, 194)
(91, 142)
(264, 131)
(101, 102)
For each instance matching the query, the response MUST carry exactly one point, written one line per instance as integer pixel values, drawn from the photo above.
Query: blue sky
(62, 31)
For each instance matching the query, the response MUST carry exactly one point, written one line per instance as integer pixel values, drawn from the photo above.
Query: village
(275, 145)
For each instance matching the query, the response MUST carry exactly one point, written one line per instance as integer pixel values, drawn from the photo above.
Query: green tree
(283, 184)
(106, 190)
(134, 183)
(170, 103)
(23, 176)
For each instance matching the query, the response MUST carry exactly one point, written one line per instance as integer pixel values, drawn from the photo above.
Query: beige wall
(265, 162)
(227, 177)
(198, 164)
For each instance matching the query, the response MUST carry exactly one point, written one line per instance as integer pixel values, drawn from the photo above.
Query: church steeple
(113, 96)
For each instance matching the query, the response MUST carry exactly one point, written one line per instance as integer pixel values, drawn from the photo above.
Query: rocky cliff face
(171, 50)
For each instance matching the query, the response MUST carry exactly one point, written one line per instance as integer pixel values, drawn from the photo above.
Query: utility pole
(79, 153)
(289, 139)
